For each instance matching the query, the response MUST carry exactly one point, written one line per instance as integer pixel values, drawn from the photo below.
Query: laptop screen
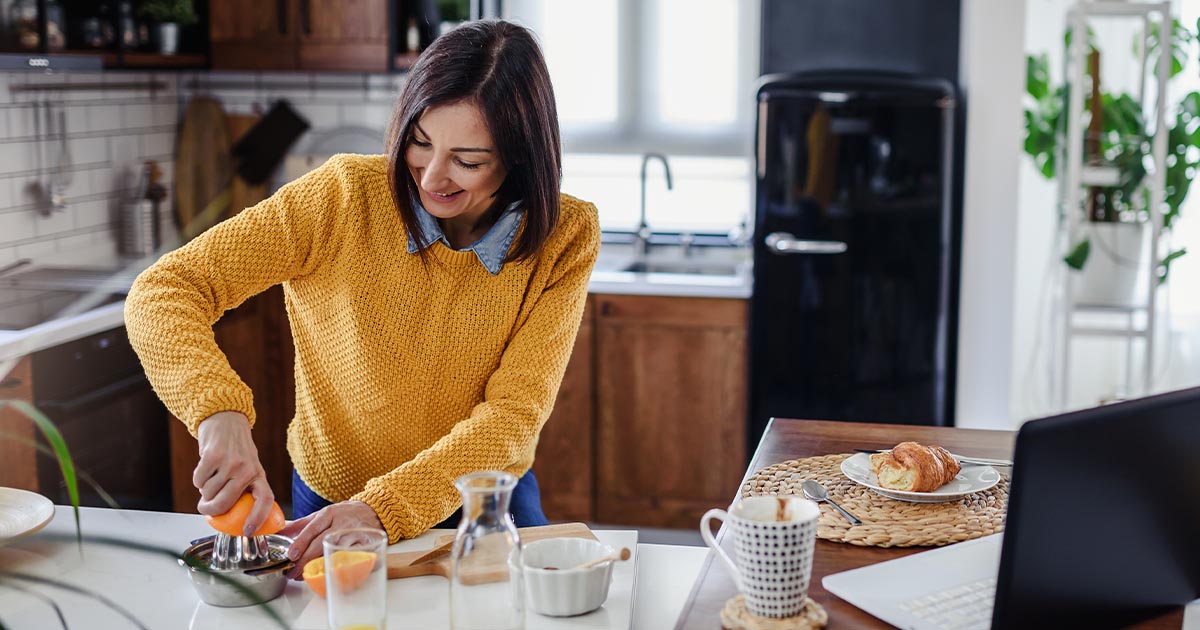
(1103, 524)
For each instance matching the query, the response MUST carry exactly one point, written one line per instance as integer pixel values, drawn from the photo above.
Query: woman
(434, 296)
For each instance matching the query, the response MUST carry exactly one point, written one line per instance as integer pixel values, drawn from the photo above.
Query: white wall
(1098, 365)
(110, 133)
(992, 75)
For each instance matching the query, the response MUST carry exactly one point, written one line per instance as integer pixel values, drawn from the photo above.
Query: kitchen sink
(687, 267)
(40, 294)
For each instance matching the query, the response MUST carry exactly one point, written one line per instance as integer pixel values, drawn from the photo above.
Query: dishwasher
(115, 427)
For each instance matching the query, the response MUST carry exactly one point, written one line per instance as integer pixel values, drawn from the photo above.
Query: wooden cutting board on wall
(203, 161)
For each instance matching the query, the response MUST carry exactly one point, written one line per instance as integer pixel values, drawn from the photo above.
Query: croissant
(911, 467)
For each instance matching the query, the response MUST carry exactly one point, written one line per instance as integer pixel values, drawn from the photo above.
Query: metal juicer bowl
(264, 581)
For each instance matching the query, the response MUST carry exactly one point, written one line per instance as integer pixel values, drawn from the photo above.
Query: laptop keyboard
(960, 608)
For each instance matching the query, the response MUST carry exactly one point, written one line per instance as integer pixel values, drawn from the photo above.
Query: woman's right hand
(229, 467)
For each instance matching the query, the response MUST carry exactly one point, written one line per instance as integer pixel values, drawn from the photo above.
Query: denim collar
(490, 249)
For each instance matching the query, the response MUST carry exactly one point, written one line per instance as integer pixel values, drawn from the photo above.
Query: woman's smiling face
(456, 167)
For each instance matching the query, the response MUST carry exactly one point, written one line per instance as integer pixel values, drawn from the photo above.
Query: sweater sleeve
(518, 398)
(173, 304)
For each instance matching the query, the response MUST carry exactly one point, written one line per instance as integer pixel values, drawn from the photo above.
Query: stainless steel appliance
(852, 314)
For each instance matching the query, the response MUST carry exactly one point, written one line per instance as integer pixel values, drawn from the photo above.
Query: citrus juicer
(257, 563)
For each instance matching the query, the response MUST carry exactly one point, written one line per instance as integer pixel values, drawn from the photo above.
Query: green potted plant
(1120, 138)
(167, 16)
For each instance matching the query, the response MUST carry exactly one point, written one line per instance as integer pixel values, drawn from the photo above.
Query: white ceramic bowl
(564, 591)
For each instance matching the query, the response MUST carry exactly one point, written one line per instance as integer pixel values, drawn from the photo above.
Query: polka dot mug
(773, 540)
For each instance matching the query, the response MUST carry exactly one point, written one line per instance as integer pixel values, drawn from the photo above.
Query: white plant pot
(168, 38)
(1114, 266)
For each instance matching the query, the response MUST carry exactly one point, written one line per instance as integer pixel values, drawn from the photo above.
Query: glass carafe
(486, 584)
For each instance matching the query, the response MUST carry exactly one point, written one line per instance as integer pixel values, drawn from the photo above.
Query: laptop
(1102, 530)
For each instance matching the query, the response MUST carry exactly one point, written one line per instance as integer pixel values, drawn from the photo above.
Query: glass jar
(487, 589)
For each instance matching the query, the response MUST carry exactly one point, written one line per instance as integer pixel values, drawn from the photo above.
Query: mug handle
(706, 534)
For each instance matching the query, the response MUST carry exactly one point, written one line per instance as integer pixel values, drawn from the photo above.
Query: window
(669, 76)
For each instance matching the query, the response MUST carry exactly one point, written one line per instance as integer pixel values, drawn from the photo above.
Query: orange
(233, 522)
(350, 570)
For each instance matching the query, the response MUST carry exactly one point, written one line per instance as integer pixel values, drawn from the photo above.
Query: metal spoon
(816, 492)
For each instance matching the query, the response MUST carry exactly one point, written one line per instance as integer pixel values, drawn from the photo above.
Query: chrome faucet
(641, 238)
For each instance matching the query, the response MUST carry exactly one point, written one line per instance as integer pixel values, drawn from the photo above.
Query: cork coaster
(886, 522)
(735, 616)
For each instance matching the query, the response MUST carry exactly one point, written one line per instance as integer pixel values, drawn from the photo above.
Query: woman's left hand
(308, 532)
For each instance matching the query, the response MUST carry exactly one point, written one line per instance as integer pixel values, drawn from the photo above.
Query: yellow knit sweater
(406, 377)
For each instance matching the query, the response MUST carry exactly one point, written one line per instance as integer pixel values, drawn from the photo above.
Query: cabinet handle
(281, 12)
(10, 383)
(605, 309)
(306, 16)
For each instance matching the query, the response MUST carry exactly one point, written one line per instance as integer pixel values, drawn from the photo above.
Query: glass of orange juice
(356, 578)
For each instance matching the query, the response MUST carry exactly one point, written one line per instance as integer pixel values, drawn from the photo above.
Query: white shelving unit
(1077, 176)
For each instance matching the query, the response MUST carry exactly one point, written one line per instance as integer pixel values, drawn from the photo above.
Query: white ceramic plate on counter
(972, 478)
(22, 513)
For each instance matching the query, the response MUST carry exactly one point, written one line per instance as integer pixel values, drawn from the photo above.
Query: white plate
(23, 512)
(972, 478)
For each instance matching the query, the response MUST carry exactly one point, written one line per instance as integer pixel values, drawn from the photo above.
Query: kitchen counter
(155, 590)
(605, 280)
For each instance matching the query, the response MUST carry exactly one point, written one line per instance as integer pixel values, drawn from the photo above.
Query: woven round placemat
(886, 522)
(735, 616)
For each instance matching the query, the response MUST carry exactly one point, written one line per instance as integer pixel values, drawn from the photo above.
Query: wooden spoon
(623, 554)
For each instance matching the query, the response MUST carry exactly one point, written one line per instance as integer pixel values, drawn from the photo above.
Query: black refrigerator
(853, 312)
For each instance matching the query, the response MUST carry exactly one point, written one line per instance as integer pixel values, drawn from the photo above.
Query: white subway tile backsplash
(89, 150)
(74, 243)
(319, 116)
(92, 214)
(105, 131)
(77, 119)
(38, 250)
(16, 226)
(16, 157)
(373, 115)
(158, 144)
(58, 221)
(136, 116)
(104, 117)
(20, 121)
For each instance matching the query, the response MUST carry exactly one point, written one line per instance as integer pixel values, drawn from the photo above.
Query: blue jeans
(525, 506)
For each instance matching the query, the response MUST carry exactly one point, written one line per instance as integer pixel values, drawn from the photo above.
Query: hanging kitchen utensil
(60, 179)
(36, 189)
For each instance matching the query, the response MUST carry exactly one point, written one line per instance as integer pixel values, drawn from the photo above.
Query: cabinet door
(671, 407)
(19, 467)
(350, 35)
(258, 35)
(565, 461)
(256, 339)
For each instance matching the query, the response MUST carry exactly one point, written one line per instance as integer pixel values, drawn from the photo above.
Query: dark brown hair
(498, 66)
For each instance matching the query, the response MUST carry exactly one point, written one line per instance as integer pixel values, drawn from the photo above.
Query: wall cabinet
(333, 35)
(664, 438)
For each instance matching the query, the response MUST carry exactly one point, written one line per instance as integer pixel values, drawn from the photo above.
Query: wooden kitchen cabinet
(671, 383)
(346, 35)
(18, 458)
(256, 338)
(252, 35)
(565, 463)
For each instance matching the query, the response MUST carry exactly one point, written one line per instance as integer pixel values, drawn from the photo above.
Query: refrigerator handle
(760, 140)
(783, 243)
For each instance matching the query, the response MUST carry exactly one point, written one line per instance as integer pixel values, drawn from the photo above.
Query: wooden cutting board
(495, 565)
(203, 163)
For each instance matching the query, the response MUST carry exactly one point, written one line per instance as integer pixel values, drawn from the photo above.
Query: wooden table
(793, 439)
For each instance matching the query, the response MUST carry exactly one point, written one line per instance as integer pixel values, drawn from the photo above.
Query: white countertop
(155, 590)
(15, 344)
